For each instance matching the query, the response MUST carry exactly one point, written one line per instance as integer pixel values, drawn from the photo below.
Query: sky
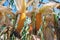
(29, 8)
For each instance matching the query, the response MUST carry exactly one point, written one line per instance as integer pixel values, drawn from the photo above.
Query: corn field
(29, 20)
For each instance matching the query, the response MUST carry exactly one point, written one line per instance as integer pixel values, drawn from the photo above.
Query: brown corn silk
(39, 16)
(38, 20)
(22, 17)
